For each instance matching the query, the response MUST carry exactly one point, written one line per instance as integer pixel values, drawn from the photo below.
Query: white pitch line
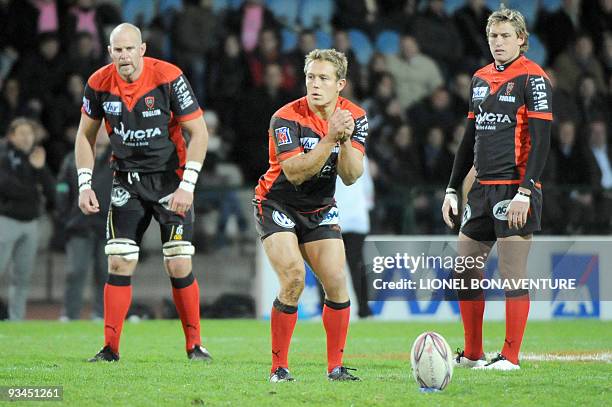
(555, 357)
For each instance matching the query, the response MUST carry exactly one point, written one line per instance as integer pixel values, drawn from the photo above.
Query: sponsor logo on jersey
(309, 143)
(488, 120)
(149, 102)
(500, 210)
(331, 218)
(539, 94)
(86, 105)
(112, 108)
(479, 92)
(282, 220)
(467, 214)
(183, 93)
(136, 138)
(283, 137)
(151, 113)
(361, 129)
(119, 196)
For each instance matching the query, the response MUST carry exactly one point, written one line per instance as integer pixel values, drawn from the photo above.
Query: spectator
(342, 43)
(591, 102)
(436, 110)
(82, 56)
(471, 22)
(12, 103)
(577, 62)
(570, 184)
(22, 174)
(438, 36)
(85, 235)
(565, 106)
(354, 205)
(248, 21)
(597, 20)
(256, 109)
(460, 94)
(307, 41)
(229, 79)
(194, 36)
(268, 52)
(42, 74)
(83, 17)
(358, 14)
(558, 29)
(416, 75)
(599, 164)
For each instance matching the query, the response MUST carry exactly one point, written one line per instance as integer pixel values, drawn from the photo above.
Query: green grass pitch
(155, 371)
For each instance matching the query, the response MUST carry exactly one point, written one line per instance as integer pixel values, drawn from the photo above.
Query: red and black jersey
(296, 129)
(142, 118)
(503, 98)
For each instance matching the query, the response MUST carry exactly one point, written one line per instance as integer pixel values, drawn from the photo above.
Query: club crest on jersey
(479, 92)
(282, 220)
(150, 102)
(507, 96)
(282, 136)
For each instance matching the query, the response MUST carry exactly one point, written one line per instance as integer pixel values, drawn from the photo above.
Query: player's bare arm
(85, 153)
(182, 198)
(302, 167)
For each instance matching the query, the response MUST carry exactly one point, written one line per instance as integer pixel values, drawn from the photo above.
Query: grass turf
(154, 369)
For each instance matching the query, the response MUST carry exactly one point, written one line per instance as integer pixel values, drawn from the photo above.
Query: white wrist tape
(190, 176)
(84, 178)
(521, 198)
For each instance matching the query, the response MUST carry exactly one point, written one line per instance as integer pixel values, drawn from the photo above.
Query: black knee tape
(116, 279)
(287, 309)
(337, 305)
(469, 294)
(182, 282)
(516, 293)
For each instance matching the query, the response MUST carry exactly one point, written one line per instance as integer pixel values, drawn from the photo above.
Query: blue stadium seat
(529, 9)
(223, 5)
(316, 13)
(324, 40)
(494, 4)
(388, 42)
(166, 6)
(536, 52)
(286, 11)
(288, 39)
(551, 5)
(452, 5)
(138, 11)
(361, 45)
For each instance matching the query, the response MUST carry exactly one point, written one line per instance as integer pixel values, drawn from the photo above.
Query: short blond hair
(336, 58)
(514, 17)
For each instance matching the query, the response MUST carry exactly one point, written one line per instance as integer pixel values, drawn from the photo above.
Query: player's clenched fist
(88, 203)
(338, 124)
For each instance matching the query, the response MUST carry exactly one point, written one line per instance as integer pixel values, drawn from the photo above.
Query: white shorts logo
(282, 220)
(331, 218)
(467, 214)
(119, 196)
(500, 209)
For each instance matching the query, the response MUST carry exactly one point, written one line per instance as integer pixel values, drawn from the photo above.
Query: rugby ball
(431, 360)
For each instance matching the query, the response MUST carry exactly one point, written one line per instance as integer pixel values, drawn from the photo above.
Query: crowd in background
(410, 66)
